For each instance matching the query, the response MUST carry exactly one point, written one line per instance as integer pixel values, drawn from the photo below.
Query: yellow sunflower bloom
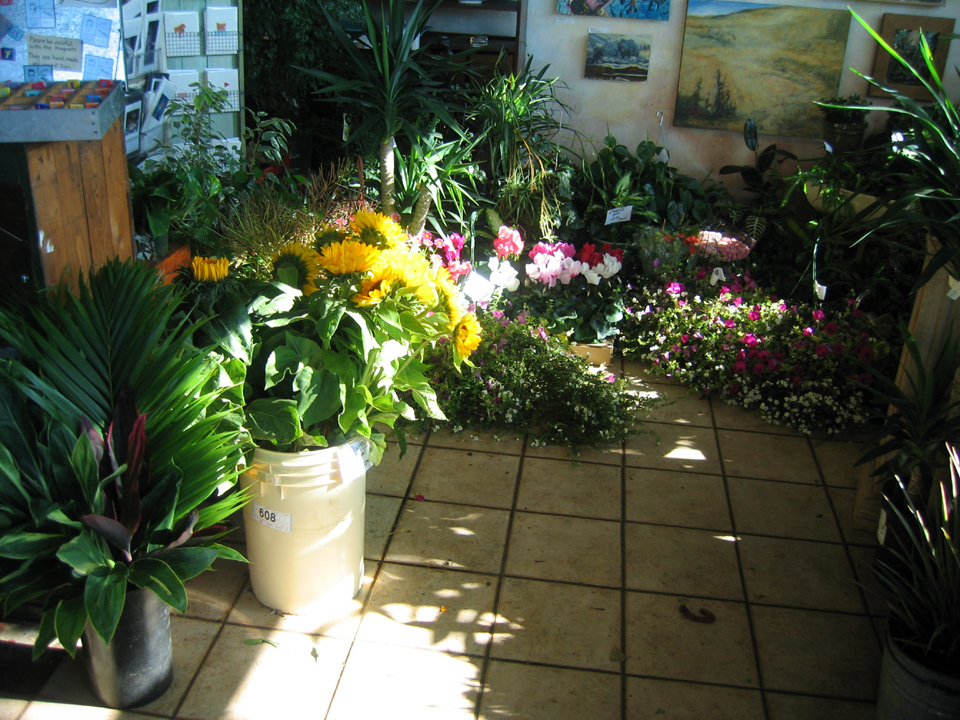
(209, 269)
(348, 256)
(378, 229)
(448, 297)
(300, 259)
(466, 335)
(373, 290)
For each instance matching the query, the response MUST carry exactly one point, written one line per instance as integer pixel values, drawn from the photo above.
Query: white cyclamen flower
(503, 274)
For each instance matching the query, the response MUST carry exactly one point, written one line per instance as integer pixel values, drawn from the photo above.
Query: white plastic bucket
(305, 526)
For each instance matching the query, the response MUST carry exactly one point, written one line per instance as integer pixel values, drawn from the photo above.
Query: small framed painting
(902, 33)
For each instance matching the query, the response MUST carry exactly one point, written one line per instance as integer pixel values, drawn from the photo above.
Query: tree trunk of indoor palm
(421, 210)
(387, 183)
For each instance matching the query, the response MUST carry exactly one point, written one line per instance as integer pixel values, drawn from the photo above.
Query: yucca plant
(115, 433)
(920, 579)
(391, 83)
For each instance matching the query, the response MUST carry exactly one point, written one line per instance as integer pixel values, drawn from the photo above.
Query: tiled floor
(511, 581)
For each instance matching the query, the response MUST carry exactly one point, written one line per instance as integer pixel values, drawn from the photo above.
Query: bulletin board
(56, 40)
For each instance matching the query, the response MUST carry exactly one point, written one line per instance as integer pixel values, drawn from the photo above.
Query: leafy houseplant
(919, 580)
(340, 334)
(844, 122)
(101, 495)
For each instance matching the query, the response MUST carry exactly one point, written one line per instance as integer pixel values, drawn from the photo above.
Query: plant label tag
(271, 518)
(351, 464)
(954, 291)
(882, 527)
(821, 290)
(717, 276)
(619, 214)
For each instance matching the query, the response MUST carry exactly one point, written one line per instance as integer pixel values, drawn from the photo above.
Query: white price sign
(271, 518)
(619, 214)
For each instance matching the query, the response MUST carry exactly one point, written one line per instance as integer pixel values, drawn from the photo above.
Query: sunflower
(348, 256)
(378, 229)
(448, 296)
(209, 269)
(295, 265)
(412, 270)
(466, 335)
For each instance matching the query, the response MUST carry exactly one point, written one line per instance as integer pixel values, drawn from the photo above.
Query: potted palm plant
(114, 437)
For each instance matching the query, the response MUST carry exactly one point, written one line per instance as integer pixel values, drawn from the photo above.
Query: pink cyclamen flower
(507, 243)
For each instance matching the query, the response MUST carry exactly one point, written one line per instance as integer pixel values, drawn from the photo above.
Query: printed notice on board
(95, 30)
(60, 52)
(41, 14)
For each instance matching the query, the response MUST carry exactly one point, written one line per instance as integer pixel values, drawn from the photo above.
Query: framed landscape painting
(617, 57)
(631, 9)
(766, 63)
(902, 33)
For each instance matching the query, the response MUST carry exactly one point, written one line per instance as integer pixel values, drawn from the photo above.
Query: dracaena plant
(99, 495)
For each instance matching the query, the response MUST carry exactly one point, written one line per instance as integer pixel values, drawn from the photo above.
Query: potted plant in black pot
(115, 434)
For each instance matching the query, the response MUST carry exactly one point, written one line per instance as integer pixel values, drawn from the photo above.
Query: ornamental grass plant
(800, 366)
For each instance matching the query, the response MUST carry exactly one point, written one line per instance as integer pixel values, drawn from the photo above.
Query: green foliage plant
(920, 580)
(659, 193)
(851, 110)
(931, 183)
(392, 82)
(527, 381)
(115, 433)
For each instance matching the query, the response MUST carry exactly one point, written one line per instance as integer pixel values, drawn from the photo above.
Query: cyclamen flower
(503, 274)
(507, 243)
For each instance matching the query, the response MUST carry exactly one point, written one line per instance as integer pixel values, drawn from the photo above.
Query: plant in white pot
(919, 581)
(113, 441)
(336, 357)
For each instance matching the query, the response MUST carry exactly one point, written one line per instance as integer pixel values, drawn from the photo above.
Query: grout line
(623, 577)
(500, 577)
(203, 661)
(743, 578)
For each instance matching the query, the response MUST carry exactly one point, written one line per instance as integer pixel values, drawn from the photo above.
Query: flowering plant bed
(799, 366)
(526, 381)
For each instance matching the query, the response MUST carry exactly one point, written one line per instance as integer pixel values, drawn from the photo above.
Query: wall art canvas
(902, 33)
(617, 57)
(767, 63)
(635, 9)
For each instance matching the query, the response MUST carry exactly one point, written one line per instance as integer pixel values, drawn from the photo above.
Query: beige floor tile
(467, 476)
(454, 536)
(477, 441)
(654, 699)
(338, 620)
(640, 370)
(799, 573)
(211, 594)
(383, 681)
(733, 417)
(56, 711)
(70, 684)
(863, 558)
(818, 653)
(558, 624)
(392, 475)
(534, 692)
(674, 447)
(666, 497)
(12, 708)
(802, 707)
(605, 455)
(680, 405)
(558, 486)
(767, 457)
(837, 461)
(662, 642)
(551, 547)
(379, 516)
(430, 609)
(244, 681)
(844, 501)
(682, 561)
(763, 507)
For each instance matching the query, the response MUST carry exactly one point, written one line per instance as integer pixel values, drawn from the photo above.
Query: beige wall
(629, 110)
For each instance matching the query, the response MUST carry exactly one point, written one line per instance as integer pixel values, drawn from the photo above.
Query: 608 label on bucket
(272, 518)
